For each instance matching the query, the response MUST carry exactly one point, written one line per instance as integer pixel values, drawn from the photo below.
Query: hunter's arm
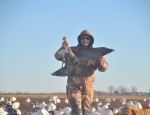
(102, 66)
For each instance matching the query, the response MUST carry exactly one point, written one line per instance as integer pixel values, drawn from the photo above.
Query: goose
(104, 107)
(138, 105)
(94, 113)
(123, 101)
(65, 101)
(107, 100)
(27, 100)
(106, 112)
(95, 100)
(67, 110)
(15, 106)
(2, 99)
(144, 99)
(58, 100)
(13, 99)
(51, 107)
(41, 112)
(2, 112)
(115, 110)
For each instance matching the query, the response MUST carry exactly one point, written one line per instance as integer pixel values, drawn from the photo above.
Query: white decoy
(106, 112)
(54, 99)
(107, 104)
(144, 99)
(55, 112)
(115, 110)
(27, 100)
(59, 112)
(8, 103)
(138, 105)
(49, 99)
(119, 109)
(92, 109)
(131, 102)
(96, 100)
(98, 108)
(65, 101)
(18, 111)
(99, 103)
(135, 101)
(94, 113)
(2, 112)
(51, 107)
(58, 100)
(44, 112)
(13, 99)
(2, 99)
(35, 104)
(104, 107)
(36, 113)
(113, 99)
(15, 105)
(42, 105)
(107, 100)
(67, 110)
(123, 101)
(40, 112)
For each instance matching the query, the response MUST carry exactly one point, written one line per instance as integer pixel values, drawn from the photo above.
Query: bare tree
(149, 90)
(111, 89)
(133, 89)
(116, 92)
(123, 89)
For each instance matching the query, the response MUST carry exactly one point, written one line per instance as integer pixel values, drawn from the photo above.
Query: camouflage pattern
(80, 84)
(80, 89)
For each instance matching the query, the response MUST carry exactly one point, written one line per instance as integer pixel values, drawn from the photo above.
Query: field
(27, 107)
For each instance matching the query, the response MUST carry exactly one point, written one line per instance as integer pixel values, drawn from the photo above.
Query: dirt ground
(27, 107)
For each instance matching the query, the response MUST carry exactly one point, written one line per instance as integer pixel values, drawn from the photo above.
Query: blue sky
(31, 32)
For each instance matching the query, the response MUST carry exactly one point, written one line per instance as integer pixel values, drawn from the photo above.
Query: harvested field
(27, 107)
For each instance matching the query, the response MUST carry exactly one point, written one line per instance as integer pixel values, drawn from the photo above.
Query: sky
(31, 32)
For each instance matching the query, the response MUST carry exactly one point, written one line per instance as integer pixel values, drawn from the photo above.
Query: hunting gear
(81, 61)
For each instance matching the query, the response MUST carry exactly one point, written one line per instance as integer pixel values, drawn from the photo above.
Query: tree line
(123, 90)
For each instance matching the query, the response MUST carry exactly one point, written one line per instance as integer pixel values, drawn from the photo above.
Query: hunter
(80, 84)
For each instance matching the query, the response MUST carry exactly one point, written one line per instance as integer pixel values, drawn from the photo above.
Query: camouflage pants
(80, 93)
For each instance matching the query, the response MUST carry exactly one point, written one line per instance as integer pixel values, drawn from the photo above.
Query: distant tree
(95, 91)
(133, 89)
(116, 92)
(111, 89)
(149, 90)
(123, 90)
(100, 92)
(18, 92)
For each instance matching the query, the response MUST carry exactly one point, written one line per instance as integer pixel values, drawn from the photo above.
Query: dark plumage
(81, 55)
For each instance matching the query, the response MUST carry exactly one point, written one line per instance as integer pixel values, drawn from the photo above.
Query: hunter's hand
(101, 60)
(65, 45)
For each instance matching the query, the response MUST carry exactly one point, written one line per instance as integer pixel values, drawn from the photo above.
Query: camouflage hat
(86, 32)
